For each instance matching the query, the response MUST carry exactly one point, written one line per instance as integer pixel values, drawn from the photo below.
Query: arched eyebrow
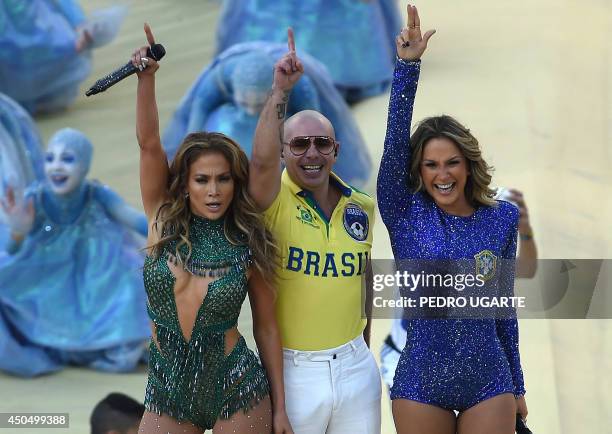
(427, 160)
(205, 175)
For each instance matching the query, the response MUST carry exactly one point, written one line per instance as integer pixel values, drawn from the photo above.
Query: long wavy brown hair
(477, 190)
(243, 223)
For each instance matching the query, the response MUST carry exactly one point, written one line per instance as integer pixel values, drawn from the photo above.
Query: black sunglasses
(300, 144)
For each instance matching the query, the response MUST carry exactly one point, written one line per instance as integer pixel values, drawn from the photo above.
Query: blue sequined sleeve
(392, 189)
(507, 329)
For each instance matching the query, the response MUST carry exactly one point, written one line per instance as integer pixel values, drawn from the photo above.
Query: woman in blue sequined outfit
(434, 198)
(208, 247)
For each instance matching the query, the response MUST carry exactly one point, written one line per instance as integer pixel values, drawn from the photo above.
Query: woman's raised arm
(154, 169)
(393, 193)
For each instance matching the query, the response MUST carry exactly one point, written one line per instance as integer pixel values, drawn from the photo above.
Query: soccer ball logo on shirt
(356, 222)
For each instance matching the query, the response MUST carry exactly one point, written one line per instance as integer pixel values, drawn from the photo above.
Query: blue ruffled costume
(20, 154)
(354, 39)
(72, 291)
(229, 94)
(450, 363)
(39, 65)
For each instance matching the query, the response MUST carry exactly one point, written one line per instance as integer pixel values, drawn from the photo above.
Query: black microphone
(155, 51)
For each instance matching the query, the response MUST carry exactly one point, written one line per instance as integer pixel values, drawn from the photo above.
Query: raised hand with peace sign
(410, 44)
(289, 69)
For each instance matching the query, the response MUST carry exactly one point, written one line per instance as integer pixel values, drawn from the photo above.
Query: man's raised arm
(264, 167)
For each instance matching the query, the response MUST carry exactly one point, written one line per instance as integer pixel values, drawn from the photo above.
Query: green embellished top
(194, 380)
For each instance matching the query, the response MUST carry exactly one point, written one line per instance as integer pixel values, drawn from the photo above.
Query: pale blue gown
(354, 39)
(40, 67)
(72, 291)
(21, 161)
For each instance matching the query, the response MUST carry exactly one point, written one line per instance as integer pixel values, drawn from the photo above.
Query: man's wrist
(279, 98)
(280, 93)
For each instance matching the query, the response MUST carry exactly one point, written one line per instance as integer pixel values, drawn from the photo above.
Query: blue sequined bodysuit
(194, 380)
(450, 363)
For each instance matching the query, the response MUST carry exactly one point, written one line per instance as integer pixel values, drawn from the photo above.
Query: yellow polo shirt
(319, 303)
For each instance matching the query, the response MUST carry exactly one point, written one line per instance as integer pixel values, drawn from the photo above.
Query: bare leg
(413, 417)
(258, 420)
(152, 423)
(492, 416)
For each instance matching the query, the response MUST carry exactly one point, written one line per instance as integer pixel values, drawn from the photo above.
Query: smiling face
(210, 185)
(445, 172)
(64, 169)
(310, 170)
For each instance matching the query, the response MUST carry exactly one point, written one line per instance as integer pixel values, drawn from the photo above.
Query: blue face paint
(77, 270)
(67, 160)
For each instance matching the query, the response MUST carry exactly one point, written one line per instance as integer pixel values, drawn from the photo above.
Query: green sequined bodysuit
(194, 380)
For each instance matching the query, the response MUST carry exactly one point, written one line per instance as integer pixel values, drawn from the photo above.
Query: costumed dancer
(208, 248)
(359, 69)
(435, 200)
(45, 49)
(21, 161)
(231, 92)
(20, 167)
(70, 288)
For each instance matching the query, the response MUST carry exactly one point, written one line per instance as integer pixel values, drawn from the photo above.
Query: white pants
(335, 391)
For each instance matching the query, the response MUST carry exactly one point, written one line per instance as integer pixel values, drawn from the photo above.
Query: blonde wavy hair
(243, 224)
(477, 190)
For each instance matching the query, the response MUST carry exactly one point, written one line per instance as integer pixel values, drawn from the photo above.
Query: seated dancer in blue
(359, 69)
(70, 288)
(231, 92)
(435, 200)
(45, 50)
(21, 161)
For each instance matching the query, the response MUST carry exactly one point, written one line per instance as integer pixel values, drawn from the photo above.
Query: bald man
(323, 228)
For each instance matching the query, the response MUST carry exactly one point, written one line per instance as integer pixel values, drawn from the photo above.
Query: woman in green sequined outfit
(208, 248)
